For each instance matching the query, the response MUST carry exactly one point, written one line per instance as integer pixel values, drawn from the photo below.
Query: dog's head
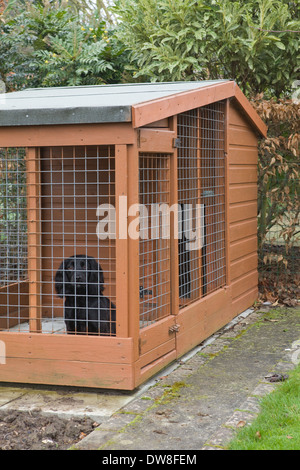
(79, 274)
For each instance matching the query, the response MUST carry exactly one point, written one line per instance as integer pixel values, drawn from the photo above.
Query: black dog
(80, 281)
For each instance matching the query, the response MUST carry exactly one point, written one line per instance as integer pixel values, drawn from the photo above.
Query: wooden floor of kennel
(134, 355)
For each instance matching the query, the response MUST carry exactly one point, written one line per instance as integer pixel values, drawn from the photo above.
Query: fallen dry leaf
(241, 424)
(258, 435)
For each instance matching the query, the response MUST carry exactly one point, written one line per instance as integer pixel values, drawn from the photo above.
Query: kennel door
(155, 261)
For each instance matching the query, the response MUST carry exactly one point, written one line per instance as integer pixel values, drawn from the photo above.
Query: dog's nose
(78, 277)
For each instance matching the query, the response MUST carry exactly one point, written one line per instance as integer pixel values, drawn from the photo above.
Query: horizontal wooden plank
(242, 155)
(244, 301)
(242, 174)
(68, 373)
(215, 301)
(243, 266)
(217, 318)
(244, 284)
(242, 193)
(156, 334)
(241, 136)
(242, 230)
(67, 135)
(156, 353)
(14, 287)
(190, 338)
(243, 248)
(236, 117)
(219, 311)
(144, 373)
(191, 315)
(154, 140)
(243, 211)
(68, 347)
(199, 320)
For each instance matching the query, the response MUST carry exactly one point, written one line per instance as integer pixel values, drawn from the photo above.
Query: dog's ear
(95, 274)
(62, 285)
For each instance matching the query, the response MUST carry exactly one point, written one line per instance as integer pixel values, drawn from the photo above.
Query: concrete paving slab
(199, 404)
(97, 406)
(10, 394)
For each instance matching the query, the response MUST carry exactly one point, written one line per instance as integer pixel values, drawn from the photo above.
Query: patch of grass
(277, 427)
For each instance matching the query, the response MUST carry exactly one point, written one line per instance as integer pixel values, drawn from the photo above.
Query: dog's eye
(70, 267)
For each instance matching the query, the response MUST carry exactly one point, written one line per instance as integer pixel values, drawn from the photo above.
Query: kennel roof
(138, 103)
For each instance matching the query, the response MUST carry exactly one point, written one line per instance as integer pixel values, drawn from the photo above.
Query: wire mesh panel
(13, 238)
(78, 267)
(189, 259)
(154, 243)
(201, 198)
(71, 266)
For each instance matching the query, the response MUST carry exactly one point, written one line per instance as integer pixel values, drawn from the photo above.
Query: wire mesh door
(69, 267)
(78, 282)
(154, 243)
(201, 197)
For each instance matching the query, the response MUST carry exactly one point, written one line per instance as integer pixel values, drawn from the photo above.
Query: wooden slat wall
(242, 179)
(68, 360)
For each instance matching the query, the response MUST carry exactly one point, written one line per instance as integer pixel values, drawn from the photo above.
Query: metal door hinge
(174, 329)
(144, 292)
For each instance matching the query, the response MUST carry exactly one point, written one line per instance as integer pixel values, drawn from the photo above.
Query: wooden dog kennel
(73, 158)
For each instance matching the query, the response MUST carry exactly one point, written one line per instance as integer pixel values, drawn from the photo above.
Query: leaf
(280, 45)
(241, 424)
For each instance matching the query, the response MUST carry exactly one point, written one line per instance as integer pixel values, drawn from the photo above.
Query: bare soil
(20, 430)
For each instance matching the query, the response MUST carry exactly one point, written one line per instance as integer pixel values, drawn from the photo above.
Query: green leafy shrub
(82, 56)
(255, 42)
(50, 44)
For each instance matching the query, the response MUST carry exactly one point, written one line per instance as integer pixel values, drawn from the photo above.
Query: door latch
(174, 329)
(176, 143)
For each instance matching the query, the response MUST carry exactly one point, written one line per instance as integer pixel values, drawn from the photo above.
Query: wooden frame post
(121, 177)
(173, 224)
(133, 250)
(34, 238)
(226, 184)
